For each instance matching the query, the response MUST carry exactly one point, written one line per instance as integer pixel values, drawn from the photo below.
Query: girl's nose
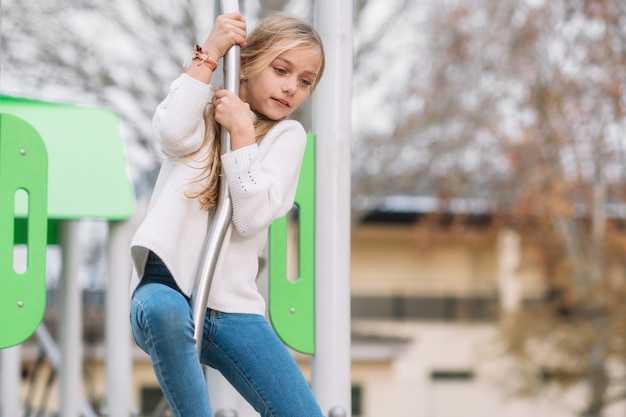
(290, 86)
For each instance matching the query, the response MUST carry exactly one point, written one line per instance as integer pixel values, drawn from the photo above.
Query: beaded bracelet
(204, 59)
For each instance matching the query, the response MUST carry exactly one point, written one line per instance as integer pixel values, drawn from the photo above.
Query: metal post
(223, 213)
(221, 219)
(118, 340)
(11, 363)
(70, 322)
(331, 381)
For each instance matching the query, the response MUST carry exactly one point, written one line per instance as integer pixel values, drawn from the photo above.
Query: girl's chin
(275, 115)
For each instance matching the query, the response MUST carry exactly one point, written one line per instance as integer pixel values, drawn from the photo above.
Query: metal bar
(223, 213)
(70, 321)
(331, 110)
(118, 340)
(11, 359)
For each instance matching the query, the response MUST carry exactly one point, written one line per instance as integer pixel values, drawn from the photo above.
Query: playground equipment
(330, 373)
(23, 193)
(291, 302)
(87, 178)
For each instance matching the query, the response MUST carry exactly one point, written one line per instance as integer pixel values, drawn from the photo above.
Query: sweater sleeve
(262, 179)
(178, 121)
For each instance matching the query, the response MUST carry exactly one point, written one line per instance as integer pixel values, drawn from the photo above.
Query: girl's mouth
(281, 103)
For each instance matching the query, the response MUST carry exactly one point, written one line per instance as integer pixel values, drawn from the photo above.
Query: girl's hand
(234, 115)
(228, 30)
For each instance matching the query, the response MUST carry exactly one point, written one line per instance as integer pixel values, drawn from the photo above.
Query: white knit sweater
(262, 180)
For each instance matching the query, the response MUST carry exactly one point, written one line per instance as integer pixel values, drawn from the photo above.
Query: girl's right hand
(234, 115)
(229, 30)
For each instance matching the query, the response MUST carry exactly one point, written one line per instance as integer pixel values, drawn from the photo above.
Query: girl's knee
(166, 312)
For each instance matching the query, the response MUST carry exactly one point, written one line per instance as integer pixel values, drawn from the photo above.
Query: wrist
(210, 51)
(204, 58)
(241, 137)
(199, 58)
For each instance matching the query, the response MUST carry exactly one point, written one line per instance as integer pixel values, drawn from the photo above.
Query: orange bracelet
(204, 59)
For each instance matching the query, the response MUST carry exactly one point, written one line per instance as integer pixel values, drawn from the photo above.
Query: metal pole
(11, 363)
(223, 213)
(118, 339)
(331, 381)
(70, 321)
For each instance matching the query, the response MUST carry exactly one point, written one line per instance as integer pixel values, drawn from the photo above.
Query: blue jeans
(243, 347)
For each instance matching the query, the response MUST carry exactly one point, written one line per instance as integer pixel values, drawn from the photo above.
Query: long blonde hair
(274, 35)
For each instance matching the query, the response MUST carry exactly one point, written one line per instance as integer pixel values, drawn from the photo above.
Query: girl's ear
(242, 74)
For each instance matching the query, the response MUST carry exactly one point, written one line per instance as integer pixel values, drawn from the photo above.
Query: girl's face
(282, 86)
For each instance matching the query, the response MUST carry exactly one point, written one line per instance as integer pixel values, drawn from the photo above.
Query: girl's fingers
(230, 110)
(229, 29)
(222, 93)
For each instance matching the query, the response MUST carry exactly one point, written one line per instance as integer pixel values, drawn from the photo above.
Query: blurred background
(488, 275)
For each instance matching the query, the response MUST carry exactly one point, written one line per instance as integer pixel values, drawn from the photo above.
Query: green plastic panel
(23, 172)
(292, 301)
(87, 175)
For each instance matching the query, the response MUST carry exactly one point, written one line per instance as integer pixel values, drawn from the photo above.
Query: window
(150, 399)
(451, 375)
(444, 308)
(357, 400)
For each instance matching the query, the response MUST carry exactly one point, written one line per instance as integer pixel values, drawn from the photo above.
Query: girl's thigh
(245, 349)
(162, 326)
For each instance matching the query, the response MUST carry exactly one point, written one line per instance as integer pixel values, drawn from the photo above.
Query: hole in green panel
(293, 244)
(20, 262)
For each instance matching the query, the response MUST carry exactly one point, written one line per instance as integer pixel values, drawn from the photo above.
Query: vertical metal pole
(118, 340)
(10, 365)
(332, 126)
(220, 222)
(223, 212)
(70, 322)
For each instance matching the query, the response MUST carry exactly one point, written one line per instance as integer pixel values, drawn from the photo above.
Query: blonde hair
(274, 35)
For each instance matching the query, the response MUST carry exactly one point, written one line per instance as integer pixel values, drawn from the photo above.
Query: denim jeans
(243, 347)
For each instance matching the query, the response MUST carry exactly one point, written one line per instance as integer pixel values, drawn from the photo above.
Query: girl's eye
(306, 83)
(280, 70)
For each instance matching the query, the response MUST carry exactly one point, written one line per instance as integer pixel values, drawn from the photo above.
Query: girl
(281, 63)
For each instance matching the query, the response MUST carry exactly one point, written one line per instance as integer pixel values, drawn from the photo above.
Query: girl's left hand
(229, 29)
(234, 115)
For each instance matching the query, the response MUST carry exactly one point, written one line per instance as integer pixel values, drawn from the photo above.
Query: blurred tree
(570, 56)
(522, 104)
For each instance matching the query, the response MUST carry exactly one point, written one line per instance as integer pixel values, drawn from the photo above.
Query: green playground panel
(23, 173)
(292, 302)
(86, 178)
(87, 175)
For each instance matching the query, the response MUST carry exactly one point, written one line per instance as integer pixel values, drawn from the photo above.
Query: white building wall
(404, 388)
